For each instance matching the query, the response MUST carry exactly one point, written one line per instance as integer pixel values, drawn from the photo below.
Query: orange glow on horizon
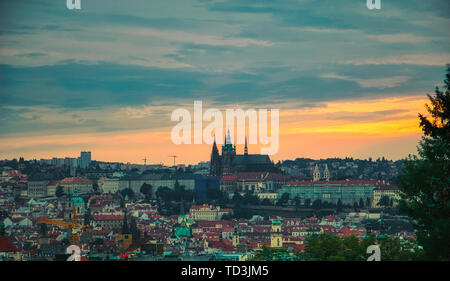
(366, 128)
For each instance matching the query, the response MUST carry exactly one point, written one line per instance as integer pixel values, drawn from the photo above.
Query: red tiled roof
(198, 207)
(229, 178)
(52, 183)
(75, 180)
(225, 245)
(295, 247)
(341, 182)
(13, 173)
(6, 245)
(108, 217)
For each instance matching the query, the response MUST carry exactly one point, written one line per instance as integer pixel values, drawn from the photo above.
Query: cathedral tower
(228, 154)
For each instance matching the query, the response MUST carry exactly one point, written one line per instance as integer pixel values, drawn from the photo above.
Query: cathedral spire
(245, 149)
(228, 137)
(215, 160)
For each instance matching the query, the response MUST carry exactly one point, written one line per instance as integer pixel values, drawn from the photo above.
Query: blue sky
(68, 72)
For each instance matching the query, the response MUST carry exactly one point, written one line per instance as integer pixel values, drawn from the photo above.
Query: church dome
(182, 231)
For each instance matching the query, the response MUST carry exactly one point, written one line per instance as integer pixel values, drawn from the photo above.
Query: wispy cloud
(205, 39)
(438, 59)
(404, 38)
(387, 82)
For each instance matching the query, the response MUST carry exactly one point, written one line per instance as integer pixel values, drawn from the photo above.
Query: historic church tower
(316, 173)
(229, 162)
(326, 173)
(235, 237)
(215, 163)
(228, 154)
(276, 236)
(317, 176)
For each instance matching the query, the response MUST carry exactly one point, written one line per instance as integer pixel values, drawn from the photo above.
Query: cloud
(202, 39)
(403, 38)
(414, 59)
(32, 55)
(387, 82)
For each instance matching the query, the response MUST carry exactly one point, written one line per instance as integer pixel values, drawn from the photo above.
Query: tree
(59, 191)
(297, 201)
(179, 193)
(242, 213)
(250, 199)
(227, 216)
(384, 201)
(307, 202)
(273, 254)
(439, 126)
(339, 206)
(147, 190)
(213, 193)
(424, 182)
(317, 204)
(392, 249)
(361, 203)
(266, 202)
(323, 248)
(327, 247)
(128, 192)
(237, 198)
(284, 199)
(165, 193)
(223, 198)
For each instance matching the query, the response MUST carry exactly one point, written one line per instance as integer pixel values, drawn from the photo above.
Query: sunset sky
(348, 81)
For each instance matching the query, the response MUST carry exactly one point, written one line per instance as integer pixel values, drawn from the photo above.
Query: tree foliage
(327, 247)
(59, 191)
(424, 183)
(147, 190)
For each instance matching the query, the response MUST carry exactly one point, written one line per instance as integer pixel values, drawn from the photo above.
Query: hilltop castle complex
(230, 162)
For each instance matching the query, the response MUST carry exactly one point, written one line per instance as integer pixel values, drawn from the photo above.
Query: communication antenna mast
(174, 157)
(145, 161)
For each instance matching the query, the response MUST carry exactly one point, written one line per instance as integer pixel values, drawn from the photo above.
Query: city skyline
(169, 163)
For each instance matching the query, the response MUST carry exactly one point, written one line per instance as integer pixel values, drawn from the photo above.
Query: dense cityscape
(195, 212)
(224, 135)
